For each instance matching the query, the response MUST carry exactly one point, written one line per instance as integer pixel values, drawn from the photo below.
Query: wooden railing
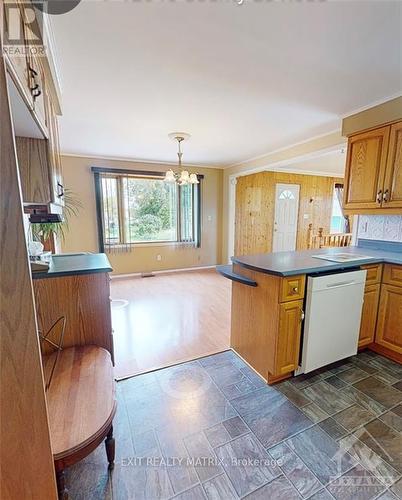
(321, 240)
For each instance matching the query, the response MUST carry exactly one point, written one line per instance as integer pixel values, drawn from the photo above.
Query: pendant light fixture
(182, 177)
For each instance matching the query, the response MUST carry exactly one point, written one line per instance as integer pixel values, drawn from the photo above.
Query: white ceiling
(243, 80)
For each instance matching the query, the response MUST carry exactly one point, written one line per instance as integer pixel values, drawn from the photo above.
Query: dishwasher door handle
(339, 285)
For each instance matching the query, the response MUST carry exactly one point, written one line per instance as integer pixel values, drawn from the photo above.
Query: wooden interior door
(393, 176)
(369, 314)
(389, 331)
(365, 169)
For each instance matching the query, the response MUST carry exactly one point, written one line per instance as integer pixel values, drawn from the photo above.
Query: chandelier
(182, 177)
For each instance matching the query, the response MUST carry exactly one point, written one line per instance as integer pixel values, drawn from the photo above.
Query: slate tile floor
(212, 429)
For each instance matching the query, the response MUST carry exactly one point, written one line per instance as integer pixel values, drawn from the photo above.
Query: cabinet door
(288, 346)
(365, 169)
(54, 154)
(369, 314)
(389, 329)
(38, 92)
(393, 176)
(33, 165)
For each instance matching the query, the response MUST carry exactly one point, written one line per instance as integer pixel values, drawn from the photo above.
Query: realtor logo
(22, 24)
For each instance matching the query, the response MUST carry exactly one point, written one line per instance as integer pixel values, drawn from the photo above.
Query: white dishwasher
(333, 312)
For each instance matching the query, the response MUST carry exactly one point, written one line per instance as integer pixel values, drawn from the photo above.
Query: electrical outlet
(159, 257)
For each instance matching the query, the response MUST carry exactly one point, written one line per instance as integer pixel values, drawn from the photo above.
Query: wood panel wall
(26, 456)
(255, 208)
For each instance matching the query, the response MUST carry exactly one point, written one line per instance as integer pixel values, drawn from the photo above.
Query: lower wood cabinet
(84, 301)
(288, 346)
(266, 323)
(389, 322)
(369, 314)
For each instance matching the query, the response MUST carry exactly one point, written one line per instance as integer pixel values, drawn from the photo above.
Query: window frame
(119, 174)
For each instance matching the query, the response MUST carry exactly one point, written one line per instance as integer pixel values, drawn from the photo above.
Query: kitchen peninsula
(269, 299)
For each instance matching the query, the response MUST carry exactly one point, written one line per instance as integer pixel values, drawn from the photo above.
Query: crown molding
(138, 160)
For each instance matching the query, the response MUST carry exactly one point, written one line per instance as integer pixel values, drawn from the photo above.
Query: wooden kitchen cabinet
(373, 175)
(288, 346)
(39, 164)
(369, 314)
(37, 86)
(84, 300)
(33, 165)
(17, 60)
(389, 323)
(56, 173)
(266, 325)
(393, 176)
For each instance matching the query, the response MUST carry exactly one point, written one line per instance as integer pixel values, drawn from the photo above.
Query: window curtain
(339, 194)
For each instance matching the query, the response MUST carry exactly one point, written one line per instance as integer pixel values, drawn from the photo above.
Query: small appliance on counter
(38, 258)
(39, 266)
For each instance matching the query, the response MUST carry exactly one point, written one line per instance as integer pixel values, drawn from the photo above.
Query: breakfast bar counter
(305, 262)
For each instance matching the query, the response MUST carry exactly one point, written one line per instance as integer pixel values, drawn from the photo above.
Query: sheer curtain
(339, 193)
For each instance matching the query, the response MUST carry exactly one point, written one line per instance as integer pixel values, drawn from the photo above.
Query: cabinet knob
(295, 289)
(385, 196)
(379, 196)
(301, 315)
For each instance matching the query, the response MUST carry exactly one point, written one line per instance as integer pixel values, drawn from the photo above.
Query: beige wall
(82, 234)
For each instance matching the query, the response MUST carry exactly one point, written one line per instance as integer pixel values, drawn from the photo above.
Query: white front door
(286, 213)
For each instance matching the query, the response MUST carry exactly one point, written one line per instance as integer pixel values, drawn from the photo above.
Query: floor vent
(147, 275)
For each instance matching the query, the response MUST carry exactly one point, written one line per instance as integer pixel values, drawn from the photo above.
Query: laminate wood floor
(211, 429)
(168, 319)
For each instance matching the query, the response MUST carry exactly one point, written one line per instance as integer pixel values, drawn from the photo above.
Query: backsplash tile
(380, 227)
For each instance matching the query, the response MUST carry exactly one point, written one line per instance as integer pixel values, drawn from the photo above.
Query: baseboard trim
(163, 271)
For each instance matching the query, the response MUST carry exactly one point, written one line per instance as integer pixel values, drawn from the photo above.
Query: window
(286, 195)
(337, 218)
(137, 208)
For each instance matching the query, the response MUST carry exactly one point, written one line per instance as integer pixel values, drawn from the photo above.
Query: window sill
(152, 244)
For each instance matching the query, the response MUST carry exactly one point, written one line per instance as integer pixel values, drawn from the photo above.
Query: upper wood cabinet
(393, 175)
(33, 166)
(17, 63)
(373, 176)
(365, 169)
(37, 86)
(56, 174)
(40, 173)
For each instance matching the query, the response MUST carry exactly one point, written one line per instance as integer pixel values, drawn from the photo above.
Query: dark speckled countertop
(71, 264)
(303, 262)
